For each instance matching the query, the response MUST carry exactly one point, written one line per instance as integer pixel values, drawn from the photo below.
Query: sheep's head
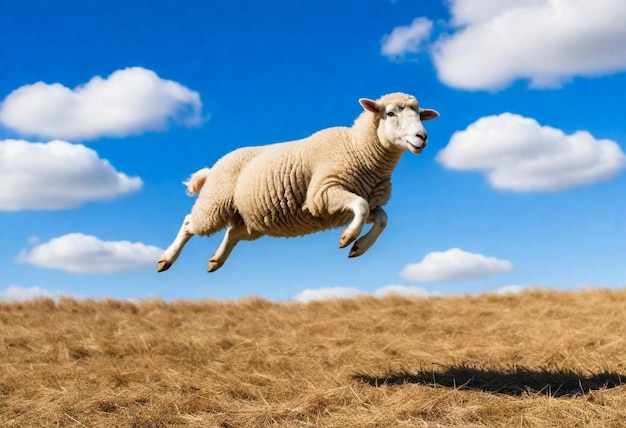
(400, 121)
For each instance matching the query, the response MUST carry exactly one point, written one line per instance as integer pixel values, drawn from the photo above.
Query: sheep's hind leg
(170, 255)
(233, 235)
(378, 217)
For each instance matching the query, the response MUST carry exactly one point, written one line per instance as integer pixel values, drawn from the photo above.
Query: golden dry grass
(538, 359)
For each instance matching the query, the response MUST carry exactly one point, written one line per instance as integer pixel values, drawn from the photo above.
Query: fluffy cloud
(331, 293)
(129, 101)
(56, 175)
(517, 153)
(328, 293)
(511, 289)
(78, 253)
(408, 39)
(454, 265)
(545, 41)
(16, 293)
(404, 290)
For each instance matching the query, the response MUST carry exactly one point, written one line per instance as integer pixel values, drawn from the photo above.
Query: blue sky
(107, 106)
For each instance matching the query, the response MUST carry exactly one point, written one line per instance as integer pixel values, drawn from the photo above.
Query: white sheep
(334, 177)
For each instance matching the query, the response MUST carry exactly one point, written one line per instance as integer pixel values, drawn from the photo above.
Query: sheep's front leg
(233, 235)
(378, 217)
(170, 255)
(338, 200)
(361, 210)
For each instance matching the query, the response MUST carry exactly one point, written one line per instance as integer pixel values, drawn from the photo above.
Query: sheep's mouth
(416, 150)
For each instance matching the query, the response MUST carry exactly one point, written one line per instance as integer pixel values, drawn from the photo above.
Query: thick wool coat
(282, 189)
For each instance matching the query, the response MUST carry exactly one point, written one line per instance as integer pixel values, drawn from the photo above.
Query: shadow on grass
(515, 382)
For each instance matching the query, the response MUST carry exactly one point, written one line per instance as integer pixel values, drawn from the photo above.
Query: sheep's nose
(422, 134)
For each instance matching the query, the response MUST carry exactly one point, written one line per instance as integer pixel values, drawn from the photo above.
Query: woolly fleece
(281, 189)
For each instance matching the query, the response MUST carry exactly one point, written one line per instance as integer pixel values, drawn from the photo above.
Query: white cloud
(129, 101)
(56, 175)
(465, 12)
(546, 41)
(16, 293)
(328, 293)
(517, 153)
(404, 290)
(406, 39)
(511, 289)
(454, 265)
(331, 293)
(78, 253)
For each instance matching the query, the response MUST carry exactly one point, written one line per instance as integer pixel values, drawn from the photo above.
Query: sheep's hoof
(214, 265)
(355, 251)
(347, 238)
(163, 265)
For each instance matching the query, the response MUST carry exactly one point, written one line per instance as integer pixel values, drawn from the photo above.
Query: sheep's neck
(374, 157)
(371, 154)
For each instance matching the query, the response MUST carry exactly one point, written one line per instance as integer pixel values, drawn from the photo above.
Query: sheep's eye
(391, 114)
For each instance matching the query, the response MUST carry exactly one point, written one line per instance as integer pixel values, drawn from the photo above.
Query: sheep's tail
(196, 181)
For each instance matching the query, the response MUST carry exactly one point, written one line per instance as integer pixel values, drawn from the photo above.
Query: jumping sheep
(334, 177)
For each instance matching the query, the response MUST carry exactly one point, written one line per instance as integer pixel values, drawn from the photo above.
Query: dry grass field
(537, 359)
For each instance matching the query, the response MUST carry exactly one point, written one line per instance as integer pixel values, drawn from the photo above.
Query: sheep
(337, 176)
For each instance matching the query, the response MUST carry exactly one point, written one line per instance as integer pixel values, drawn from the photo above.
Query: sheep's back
(272, 188)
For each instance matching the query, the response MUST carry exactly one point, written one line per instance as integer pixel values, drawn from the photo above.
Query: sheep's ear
(369, 105)
(427, 114)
